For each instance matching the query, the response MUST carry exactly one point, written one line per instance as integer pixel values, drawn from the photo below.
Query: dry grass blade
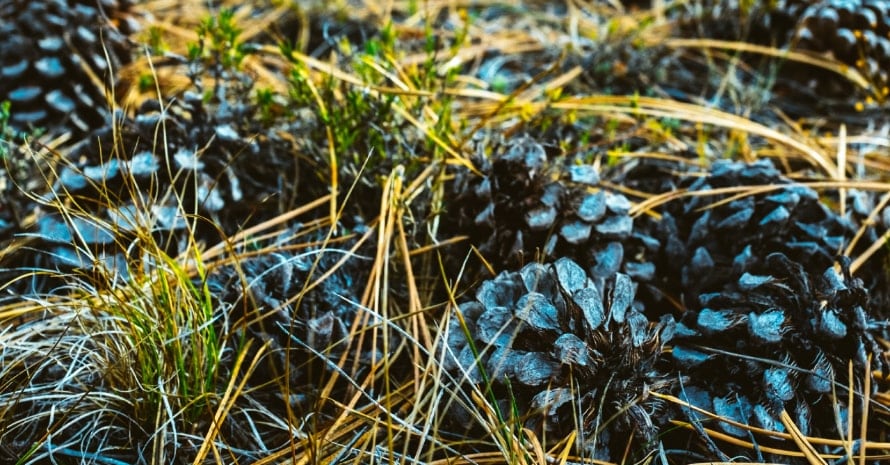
(791, 453)
(227, 402)
(250, 233)
(866, 407)
(869, 221)
(807, 449)
(875, 445)
(656, 107)
(871, 251)
(655, 201)
(848, 434)
(812, 59)
(841, 174)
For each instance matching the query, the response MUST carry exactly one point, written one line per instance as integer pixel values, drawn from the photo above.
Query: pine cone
(853, 31)
(704, 246)
(219, 156)
(552, 335)
(778, 339)
(50, 49)
(161, 169)
(761, 327)
(309, 331)
(767, 23)
(525, 207)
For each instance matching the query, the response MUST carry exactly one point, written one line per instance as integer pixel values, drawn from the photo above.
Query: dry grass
(150, 367)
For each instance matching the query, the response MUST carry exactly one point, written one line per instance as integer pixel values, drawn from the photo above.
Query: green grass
(150, 360)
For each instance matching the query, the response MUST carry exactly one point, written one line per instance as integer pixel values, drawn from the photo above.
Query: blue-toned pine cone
(524, 206)
(57, 59)
(553, 340)
(310, 323)
(207, 152)
(707, 241)
(191, 158)
(780, 338)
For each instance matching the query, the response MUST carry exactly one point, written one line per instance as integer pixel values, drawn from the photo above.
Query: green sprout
(218, 47)
(156, 40)
(4, 128)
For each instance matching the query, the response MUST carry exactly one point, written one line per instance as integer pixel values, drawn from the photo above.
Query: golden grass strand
(803, 444)
(229, 396)
(842, 167)
(808, 58)
(765, 432)
(866, 401)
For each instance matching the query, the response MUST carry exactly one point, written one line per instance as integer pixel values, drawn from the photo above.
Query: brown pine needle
(231, 393)
(801, 57)
(866, 407)
(803, 444)
(775, 434)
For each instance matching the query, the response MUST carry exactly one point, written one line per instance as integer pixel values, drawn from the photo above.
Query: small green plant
(156, 40)
(5, 130)
(19, 169)
(146, 82)
(354, 120)
(181, 318)
(266, 104)
(615, 155)
(218, 40)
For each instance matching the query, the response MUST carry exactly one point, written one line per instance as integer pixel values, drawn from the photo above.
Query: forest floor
(450, 232)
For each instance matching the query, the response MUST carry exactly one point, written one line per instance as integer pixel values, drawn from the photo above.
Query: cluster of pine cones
(202, 164)
(748, 308)
(743, 306)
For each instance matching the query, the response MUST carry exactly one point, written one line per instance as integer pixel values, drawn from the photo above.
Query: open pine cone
(568, 350)
(525, 207)
(780, 339)
(170, 163)
(309, 312)
(710, 240)
(58, 58)
(854, 32)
